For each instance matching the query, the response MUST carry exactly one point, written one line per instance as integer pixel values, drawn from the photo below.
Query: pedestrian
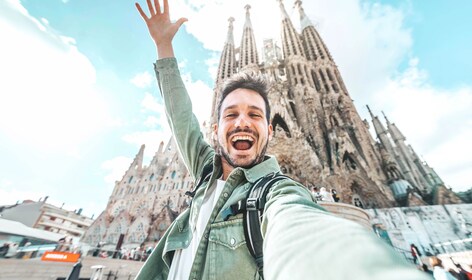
(439, 272)
(204, 242)
(335, 195)
(463, 274)
(325, 195)
(415, 253)
(12, 250)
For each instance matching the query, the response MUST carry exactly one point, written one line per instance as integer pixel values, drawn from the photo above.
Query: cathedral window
(151, 177)
(130, 179)
(333, 81)
(323, 79)
(315, 80)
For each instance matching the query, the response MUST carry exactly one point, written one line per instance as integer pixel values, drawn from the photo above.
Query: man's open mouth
(242, 142)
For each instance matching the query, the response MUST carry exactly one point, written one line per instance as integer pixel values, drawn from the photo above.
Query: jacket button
(232, 241)
(225, 195)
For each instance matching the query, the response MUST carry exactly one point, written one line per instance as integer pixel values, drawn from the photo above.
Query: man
(200, 244)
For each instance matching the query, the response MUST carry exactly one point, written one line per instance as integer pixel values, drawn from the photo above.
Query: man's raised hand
(160, 27)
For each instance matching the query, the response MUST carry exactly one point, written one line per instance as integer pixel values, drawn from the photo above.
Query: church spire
(406, 155)
(382, 133)
(292, 44)
(248, 54)
(282, 10)
(227, 60)
(304, 20)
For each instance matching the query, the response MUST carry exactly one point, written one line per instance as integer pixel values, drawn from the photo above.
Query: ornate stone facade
(319, 140)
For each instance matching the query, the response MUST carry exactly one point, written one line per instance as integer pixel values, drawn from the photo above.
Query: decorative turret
(382, 133)
(315, 47)
(248, 51)
(292, 45)
(226, 68)
(406, 156)
(227, 60)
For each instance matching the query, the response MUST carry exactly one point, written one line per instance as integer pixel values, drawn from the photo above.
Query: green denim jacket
(301, 240)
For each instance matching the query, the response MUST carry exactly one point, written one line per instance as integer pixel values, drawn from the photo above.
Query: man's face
(243, 131)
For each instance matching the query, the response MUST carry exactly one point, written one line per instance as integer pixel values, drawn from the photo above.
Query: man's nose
(242, 121)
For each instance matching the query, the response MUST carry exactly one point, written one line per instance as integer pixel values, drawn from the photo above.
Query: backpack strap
(253, 209)
(252, 219)
(206, 174)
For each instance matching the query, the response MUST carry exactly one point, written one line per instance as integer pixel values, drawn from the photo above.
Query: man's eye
(231, 115)
(255, 115)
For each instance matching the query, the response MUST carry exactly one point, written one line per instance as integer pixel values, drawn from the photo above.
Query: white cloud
(10, 196)
(115, 167)
(48, 93)
(212, 64)
(201, 95)
(150, 103)
(142, 80)
(152, 122)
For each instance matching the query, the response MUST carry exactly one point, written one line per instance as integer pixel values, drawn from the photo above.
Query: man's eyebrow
(250, 107)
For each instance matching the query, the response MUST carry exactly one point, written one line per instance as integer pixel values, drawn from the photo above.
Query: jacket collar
(269, 165)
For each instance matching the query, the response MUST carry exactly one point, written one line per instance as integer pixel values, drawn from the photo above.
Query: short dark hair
(251, 81)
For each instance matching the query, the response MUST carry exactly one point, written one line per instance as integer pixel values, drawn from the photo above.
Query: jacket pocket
(228, 256)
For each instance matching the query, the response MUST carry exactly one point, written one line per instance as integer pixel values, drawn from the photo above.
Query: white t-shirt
(183, 259)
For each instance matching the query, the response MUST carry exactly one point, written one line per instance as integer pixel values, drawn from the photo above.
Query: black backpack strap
(252, 219)
(206, 174)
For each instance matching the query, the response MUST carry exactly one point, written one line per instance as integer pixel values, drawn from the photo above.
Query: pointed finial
(229, 37)
(304, 20)
(247, 7)
(370, 112)
(385, 117)
(248, 17)
(282, 8)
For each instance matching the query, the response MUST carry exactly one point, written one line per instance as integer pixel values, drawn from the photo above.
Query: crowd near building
(319, 140)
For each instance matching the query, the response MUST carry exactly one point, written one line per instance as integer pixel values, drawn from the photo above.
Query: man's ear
(215, 132)
(271, 131)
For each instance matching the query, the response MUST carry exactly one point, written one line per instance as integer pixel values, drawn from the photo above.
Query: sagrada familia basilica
(319, 140)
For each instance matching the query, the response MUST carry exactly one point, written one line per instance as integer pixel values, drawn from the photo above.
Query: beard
(258, 159)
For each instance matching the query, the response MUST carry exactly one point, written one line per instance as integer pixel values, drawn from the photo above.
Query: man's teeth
(242, 138)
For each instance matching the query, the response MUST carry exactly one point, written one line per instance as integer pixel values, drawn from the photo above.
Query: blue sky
(78, 95)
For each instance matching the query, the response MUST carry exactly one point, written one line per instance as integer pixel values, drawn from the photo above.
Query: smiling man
(243, 130)
(301, 240)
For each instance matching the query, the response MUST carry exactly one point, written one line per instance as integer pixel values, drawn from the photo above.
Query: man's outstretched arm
(185, 127)
(161, 29)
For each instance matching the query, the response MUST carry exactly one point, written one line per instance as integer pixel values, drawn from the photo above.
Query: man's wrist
(164, 50)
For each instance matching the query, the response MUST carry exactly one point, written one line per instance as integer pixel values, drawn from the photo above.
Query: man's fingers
(166, 7)
(143, 15)
(151, 8)
(157, 6)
